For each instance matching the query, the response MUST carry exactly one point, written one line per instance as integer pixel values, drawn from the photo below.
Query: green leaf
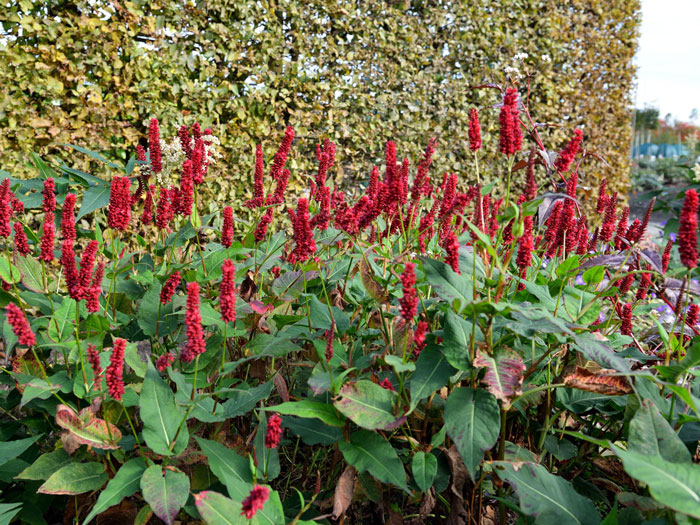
(149, 308)
(217, 509)
(313, 432)
(94, 155)
(11, 449)
(232, 469)
(432, 372)
(449, 286)
(650, 434)
(30, 268)
(676, 485)
(161, 416)
(165, 490)
(8, 511)
(458, 334)
(94, 198)
(243, 400)
(424, 467)
(61, 324)
(311, 409)
(368, 451)
(45, 465)
(549, 498)
(398, 365)
(125, 483)
(595, 350)
(561, 449)
(9, 272)
(368, 405)
(75, 478)
(44, 169)
(473, 422)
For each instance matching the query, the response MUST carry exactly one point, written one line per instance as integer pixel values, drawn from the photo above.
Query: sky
(669, 57)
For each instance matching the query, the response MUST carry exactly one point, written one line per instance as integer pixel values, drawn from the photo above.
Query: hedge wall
(357, 71)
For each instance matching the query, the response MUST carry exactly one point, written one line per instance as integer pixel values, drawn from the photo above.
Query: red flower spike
(21, 242)
(164, 361)
(186, 200)
(93, 357)
(168, 290)
(5, 209)
(645, 222)
(274, 431)
(17, 206)
(626, 318)
(566, 157)
(643, 287)
(419, 338)
(421, 184)
(47, 239)
(278, 196)
(263, 224)
(193, 320)
(451, 245)
(386, 384)
(227, 292)
(92, 301)
(254, 501)
(119, 212)
(199, 164)
(409, 301)
(582, 248)
(70, 271)
(693, 315)
(322, 219)
(625, 284)
(227, 228)
(280, 158)
(68, 218)
(304, 244)
(164, 211)
(154, 146)
(140, 153)
(688, 230)
(602, 203)
(115, 370)
(258, 188)
(20, 325)
(329, 335)
(510, 133)
(147, 215)
(185, 141)
(474, 130)
(622, 229)
(666, 257)
(608, 226)
(87, 262)
(524, 257)
(531, 183)
(49, 193)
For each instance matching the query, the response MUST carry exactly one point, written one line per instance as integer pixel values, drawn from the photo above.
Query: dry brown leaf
(600, 383)
(344, 490)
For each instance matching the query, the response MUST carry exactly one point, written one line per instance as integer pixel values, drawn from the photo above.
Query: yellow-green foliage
(358, 72)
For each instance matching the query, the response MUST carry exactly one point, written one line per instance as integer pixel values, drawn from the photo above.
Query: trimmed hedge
(357, 73)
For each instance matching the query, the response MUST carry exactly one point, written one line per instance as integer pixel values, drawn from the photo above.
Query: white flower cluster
(696, 172)
(174, 157)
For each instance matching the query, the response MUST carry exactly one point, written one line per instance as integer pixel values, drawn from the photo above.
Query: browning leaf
(248, 287)
(504, 374)
(344, 490)
(373, 287)
(600, 383)
(85, 429)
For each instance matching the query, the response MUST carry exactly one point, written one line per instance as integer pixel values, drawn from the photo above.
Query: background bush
(93, 73)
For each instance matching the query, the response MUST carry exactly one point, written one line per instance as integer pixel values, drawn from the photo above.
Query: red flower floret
(274, 431)
(386, 385)
(165, 361)
(228, 292)
(115, 370)
(688, 230)
(255, 501)
(164, 211)
(20, 325)
(409, 301)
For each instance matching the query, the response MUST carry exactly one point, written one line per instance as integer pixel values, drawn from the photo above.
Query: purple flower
(579, 280)
(672, 236)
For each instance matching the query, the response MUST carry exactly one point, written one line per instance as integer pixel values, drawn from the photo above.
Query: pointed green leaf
(424, 467)
(232, 469)
(368, 451)
(45, 465)
(165, 490)
(650, 434)
(75, 478)
(11, 449)
(368, 405)
(93, 199)
(473, 422)
(449, 286)
(311, 409)
(125, 483)
(432, 373)
(458, 338)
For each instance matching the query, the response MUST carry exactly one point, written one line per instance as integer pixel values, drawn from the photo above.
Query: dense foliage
(92, 73)
(406, 353)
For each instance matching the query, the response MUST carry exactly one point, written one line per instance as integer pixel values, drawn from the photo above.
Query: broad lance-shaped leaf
(676, 485)
(311, 409)
(11, 449)
(75, 478)
(368, 451)
(368, 405)
(165, 490)
(217, 509)
(458, 340)
(650, 434)
(124, 484)
(549, 498)
(432, 372)
(450, 286)
(473, 421)
(45, 465)
(232, 469)
(86, 429)
(504, 374)
(424, 467)
(161, 416)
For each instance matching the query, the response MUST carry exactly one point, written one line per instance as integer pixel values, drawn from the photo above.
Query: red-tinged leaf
(75, 478)
(504, 374)
(165, 490)
(85, 429)
(261, 308)
(368, 405)
(601, 383)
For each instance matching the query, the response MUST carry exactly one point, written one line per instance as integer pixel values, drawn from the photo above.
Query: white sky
(669, 57)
